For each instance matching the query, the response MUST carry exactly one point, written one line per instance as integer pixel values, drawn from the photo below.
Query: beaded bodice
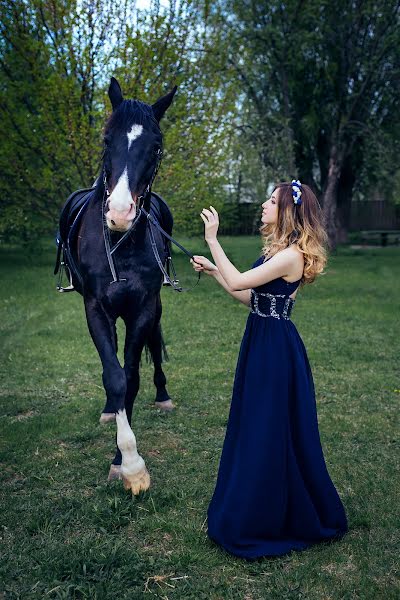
(272, 299)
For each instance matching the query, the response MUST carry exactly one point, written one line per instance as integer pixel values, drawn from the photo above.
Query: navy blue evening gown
(273, 492)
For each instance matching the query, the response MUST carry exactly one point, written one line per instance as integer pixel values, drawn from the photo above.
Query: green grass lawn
(66, 533)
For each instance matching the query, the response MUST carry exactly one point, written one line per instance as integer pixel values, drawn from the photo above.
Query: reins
(172, 282)
(151, 221)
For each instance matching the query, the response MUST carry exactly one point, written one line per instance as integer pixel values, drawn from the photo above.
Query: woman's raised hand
(202, 264)
(211, 223)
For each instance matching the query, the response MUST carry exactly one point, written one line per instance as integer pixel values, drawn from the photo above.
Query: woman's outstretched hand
(211, 223)
(202, 264)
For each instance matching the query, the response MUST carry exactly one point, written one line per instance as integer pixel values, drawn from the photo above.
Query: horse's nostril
(113, 222)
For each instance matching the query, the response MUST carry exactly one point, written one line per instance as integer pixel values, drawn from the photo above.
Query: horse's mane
(132, 111)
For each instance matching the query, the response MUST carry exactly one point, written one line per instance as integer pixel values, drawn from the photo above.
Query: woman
(273, 492)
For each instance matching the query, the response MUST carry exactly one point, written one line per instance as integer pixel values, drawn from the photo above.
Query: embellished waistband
(278, 306)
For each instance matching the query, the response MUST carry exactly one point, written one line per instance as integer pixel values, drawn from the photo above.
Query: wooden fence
(372, 215)
(244, 218)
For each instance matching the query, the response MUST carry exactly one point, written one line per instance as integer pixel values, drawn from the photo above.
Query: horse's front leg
(133, 469)
(136, 333)
(102, 329)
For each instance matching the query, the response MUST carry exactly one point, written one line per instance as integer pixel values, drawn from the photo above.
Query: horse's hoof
(139, 482)
(114, 473)
(107, 417)
(166, 406)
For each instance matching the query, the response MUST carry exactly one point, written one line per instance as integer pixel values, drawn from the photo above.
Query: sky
(144, 4)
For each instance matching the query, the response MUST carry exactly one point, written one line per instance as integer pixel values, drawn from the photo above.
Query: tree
(55, 64)
(320, 77)
(51, 60)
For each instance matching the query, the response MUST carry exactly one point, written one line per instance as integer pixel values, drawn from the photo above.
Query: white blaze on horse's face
(122, 209)
(134, 133)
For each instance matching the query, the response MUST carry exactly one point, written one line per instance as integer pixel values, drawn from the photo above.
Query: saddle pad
(70, 211)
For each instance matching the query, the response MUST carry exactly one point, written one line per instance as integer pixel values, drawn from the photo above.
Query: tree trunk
(329, 199)
(344, 197)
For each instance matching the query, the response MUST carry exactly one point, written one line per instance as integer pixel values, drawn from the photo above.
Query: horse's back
(71, 210)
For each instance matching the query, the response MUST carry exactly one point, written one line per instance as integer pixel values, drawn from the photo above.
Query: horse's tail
(156, 344)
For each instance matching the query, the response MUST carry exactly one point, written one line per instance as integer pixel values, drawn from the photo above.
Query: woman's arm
(243, 296)
(201, 263)
(279, 265)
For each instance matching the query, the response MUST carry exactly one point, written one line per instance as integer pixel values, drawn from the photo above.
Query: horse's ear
(115, 93)
(160, 107)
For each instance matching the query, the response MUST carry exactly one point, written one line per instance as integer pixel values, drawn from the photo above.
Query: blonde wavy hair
(300, 224)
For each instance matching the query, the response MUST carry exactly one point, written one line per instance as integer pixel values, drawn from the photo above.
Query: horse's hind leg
(155, 344)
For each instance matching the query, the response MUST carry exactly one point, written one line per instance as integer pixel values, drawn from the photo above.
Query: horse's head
(133, 147)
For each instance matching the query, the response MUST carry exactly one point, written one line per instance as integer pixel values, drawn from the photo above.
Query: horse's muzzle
(118, 220)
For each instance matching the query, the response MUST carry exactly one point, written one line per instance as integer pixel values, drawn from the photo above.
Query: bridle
(151, 221)
(141, 198)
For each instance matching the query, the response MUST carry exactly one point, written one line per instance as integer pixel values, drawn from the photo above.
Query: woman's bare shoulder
(298, 260)
(295, 250)
(294, 256)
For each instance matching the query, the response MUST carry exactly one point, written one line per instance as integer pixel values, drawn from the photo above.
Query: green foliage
(323, 72)
(320, 82)
(57, 59)
(265, 92)
(174, 47)
(51, 107)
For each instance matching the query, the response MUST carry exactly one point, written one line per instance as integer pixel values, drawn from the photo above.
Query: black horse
(126, 282)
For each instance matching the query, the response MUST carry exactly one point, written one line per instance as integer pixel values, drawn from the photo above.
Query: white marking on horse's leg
(132, 462)
(134, 132)
(133, 468)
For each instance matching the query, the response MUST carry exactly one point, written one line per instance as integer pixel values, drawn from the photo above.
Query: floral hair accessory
(296, 191)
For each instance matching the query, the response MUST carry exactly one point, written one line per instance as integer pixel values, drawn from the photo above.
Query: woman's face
(270, 210)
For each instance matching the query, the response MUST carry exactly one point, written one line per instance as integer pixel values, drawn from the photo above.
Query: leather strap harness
(151, 222)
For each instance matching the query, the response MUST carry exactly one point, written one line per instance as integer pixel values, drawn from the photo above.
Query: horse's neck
(98, 195)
